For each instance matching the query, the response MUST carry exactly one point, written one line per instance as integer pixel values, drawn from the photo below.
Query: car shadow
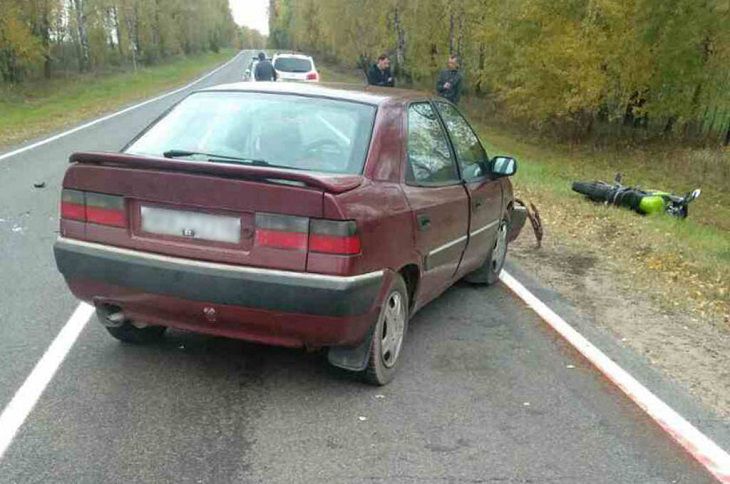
(258, 364)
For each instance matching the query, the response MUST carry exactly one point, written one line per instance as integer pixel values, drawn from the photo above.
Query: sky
(251, 13)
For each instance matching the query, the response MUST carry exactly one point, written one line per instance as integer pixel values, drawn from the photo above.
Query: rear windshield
(289, 131)
(292, 64)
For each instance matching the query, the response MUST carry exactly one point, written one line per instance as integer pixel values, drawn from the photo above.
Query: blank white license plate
(191, 225)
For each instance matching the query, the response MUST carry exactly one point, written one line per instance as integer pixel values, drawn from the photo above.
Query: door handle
(424, 222)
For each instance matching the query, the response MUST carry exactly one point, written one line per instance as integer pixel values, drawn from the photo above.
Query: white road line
(112, 115)
(704, 450)
(14, 414)
(28, 394)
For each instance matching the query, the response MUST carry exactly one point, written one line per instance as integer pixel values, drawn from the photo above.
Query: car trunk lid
(198, 210)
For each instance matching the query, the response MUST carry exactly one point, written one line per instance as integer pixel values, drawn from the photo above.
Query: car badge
(188, 233)
(210, 314)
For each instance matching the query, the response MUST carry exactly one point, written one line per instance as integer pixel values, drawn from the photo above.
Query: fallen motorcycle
(642, 201)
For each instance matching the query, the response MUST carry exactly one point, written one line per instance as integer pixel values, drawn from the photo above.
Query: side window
(469, 150)
(429, 156)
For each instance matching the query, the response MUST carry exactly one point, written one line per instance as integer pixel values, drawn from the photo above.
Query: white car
(249, 74)
(295, 67)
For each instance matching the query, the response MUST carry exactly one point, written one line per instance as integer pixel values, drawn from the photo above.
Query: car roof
(347, 92)
(296, 56)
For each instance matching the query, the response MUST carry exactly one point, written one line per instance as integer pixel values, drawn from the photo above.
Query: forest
(647, 68)
(48, 38)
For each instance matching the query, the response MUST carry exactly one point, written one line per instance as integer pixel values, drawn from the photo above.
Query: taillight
(73, 206)
(300, 233)
(334, 237)
(312, 76)
(281, 231)
(95, 208)
(105, 210)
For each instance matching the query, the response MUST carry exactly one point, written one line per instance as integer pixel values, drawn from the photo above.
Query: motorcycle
(644, 202)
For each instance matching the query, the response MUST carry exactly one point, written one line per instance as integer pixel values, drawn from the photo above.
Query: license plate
(191, 225)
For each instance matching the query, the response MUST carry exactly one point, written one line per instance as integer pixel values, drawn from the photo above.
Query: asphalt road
(484, 393)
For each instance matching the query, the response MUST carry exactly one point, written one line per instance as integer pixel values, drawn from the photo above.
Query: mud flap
(352, 358)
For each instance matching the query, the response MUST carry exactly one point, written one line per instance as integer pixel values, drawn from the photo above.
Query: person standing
(450, 81)
(379, 73)
(264, 71)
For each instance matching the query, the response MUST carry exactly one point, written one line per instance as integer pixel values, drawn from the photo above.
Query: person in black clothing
(379, 73)
(264, 71)
(449, 82)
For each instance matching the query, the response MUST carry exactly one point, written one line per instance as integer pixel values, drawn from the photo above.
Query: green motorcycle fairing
(653, 203)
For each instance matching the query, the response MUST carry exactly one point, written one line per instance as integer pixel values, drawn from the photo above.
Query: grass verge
(35, 108)
(681, 264)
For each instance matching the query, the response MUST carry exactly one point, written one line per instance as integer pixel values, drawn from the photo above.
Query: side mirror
(503, 166)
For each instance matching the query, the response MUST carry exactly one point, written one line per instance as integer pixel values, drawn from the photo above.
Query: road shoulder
(630, 331)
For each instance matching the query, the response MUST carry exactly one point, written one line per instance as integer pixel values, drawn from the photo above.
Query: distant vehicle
(248, 76)
(295, 67)
(289, 214)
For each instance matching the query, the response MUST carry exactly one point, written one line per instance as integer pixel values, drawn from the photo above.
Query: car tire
(488, 273)
(388, 335)
(128, 333)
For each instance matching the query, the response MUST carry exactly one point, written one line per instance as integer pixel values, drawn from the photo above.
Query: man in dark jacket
(379, 74)
(450, 81)
(264, 71)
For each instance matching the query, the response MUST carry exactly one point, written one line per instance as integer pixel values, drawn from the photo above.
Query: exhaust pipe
(110, 315)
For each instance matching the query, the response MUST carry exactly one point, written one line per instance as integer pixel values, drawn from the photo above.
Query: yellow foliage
(19, 49)
(545, 60)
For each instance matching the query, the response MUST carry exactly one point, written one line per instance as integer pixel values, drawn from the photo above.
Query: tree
(653, 65)
(39, 37)
(19, 48)
(82, 39)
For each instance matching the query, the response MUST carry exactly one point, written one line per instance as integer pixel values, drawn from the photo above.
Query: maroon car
(316, 216)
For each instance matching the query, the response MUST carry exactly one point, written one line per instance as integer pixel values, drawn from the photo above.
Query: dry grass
(683, 264)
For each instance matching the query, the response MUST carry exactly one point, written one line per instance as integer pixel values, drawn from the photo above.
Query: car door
(484, 191)
(437, 198)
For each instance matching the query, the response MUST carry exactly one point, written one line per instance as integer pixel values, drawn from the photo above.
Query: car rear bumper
(247, 302)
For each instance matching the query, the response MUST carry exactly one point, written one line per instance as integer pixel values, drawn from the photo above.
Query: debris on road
(379, 396)
(533, 214)
(570, 367)
(361, 418)
(40, 185)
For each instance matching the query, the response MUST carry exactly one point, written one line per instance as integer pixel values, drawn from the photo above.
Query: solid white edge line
(112, 115)
(27, 396)
(704, 450)
(17, 410)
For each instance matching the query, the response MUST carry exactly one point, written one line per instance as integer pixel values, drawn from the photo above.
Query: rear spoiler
(323, 181)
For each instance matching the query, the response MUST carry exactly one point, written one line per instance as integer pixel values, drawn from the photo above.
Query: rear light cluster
(304, 234)
(272, 230)
(312, 76)
(95, 208)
